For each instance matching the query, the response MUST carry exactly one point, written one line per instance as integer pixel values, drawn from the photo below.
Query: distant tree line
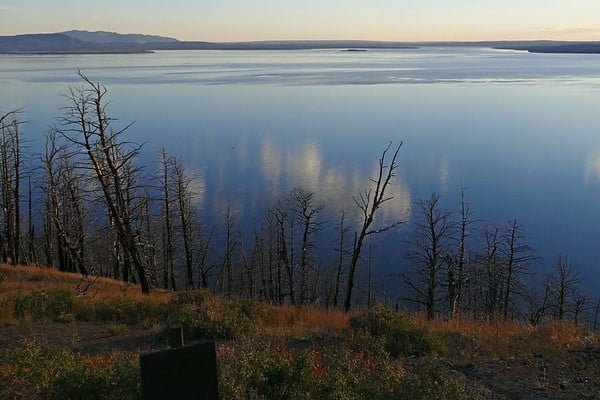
(85, 205)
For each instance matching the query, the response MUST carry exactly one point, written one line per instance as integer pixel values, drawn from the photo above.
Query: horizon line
(313, 40)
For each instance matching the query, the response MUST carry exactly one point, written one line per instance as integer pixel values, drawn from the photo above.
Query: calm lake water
(520, 132)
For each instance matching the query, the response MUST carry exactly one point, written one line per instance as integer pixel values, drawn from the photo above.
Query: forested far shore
(87, 205)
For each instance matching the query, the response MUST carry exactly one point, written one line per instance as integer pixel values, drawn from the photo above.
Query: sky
(247, 20)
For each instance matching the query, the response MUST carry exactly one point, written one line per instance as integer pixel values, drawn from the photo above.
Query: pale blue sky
(241, 20)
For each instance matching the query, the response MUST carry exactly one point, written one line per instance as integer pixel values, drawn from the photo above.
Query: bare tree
(342, 253)
(306, 209)
(564, 280)
(428, 251)
(491, 262)
(149, 230)
(87, 126)
(456, 271)
(226, 273)
(284, 253)
(538, 305)
(368, 202)
(166, 164)
(187, 213)
(204, 253)
(10, 181)
(581, 302)
(65, 207)
(517, 257)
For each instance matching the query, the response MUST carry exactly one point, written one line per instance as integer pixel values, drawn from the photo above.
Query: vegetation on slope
(276, 352)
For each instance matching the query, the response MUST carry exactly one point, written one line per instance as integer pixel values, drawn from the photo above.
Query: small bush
(204, 316)
(254, 370)
(431, 380)
(120, 309)
(34, 372)
(400, 337)
(43, 304)
(114, 377)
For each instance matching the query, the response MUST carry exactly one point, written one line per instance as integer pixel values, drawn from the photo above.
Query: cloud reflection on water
(592, 169)
(335, 186)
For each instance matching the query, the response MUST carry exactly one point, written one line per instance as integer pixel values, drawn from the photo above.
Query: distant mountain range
(84, 42)
(74, 42)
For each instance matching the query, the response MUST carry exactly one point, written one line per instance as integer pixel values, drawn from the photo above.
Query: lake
(520, 132)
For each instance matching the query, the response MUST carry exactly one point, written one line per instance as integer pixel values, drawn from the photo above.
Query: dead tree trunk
(341, 253)
(186, 210)
(305, 207)
(368, 202)
(10, 178)
(518, 255)
(87, 126)
(428, 251)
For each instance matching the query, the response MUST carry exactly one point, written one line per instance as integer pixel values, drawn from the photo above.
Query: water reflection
(444, 174)
(197, 185)
(271, 163)
(335, 185)
(316, 118)
(592, 169)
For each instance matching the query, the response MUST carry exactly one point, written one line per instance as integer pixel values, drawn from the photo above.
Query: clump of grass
(431, 379)
(205, 316)
(45, 305)
(122, 308)
(500, 339)
(303, 322)
(37, 278)
(259, 370)
(34, 372)
(399, 336)
(117, 329)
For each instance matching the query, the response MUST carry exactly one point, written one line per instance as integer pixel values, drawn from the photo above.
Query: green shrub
(115, 377)
(431, 379)
(356, 375)
(260, 370)
(44, 304)
(253, 372)
(120, 309)
(400, 337)
(35, 372)
(204, 316)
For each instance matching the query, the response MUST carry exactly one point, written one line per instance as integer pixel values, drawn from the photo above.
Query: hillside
(62, 43)
(39, 43)
(113, 37)
(55, 327)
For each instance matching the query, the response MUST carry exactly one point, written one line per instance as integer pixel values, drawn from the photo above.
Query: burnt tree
(87, 126)
(368, 202)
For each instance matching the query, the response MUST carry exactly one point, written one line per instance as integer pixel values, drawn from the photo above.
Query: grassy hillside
(63, 336)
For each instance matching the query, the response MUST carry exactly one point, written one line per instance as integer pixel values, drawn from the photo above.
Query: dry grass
(27, 279)
(16, 282)
(302, 322)
(502, 339)
(490, 338)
